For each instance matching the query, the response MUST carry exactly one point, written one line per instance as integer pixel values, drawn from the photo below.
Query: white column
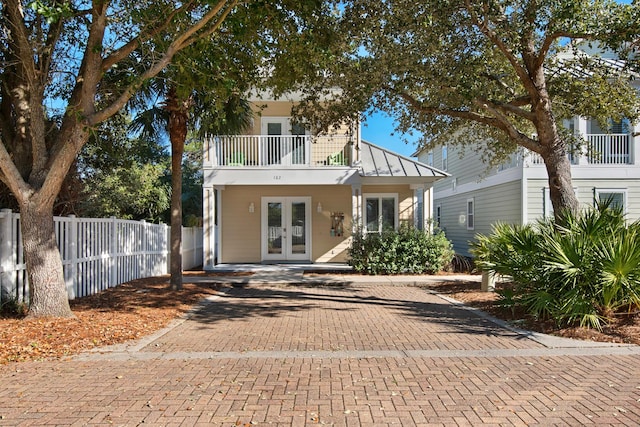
(427, 208)
(634, 144)
(217, 228)
(581, 131)
(356, 206)
(427, 205)
(208, 228)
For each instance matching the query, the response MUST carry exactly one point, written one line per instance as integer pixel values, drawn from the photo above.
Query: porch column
(356, 206)
(634, 144)
(427, 206)
(208, 228)
(218, 227)
(581, 126)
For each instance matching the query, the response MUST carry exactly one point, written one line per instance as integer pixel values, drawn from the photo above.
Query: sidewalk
(330, 350)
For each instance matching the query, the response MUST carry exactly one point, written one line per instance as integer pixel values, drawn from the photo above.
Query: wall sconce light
(252, 208)
(319, 208)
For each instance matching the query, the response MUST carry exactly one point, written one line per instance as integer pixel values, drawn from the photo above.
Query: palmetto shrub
(405, 251)
(584, 272)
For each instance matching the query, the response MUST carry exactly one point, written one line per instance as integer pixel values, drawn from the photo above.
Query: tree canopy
(84, 60)
(494, 74)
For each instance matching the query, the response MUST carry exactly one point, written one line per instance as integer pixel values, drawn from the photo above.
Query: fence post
(7, 263)
(488, 282)
(113, 247)
(143, 249)
(71, 240)
(167, 246)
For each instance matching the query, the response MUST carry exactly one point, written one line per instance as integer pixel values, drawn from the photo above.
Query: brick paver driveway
(359, 354)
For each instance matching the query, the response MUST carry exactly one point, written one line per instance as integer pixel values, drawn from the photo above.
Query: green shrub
(406, 251)
(583, 272)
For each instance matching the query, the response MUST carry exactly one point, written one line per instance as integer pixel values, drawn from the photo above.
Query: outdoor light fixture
(252, 208)
(319, 208)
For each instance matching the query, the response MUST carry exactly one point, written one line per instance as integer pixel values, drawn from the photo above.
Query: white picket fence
(97, 253)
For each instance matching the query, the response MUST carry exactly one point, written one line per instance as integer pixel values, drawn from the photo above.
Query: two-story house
(517, 192)
(281, 193)
(474, 197)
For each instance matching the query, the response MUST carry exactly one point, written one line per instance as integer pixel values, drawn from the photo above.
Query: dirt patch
(129, 311)
(622, 329)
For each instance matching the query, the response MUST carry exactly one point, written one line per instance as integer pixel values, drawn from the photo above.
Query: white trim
(379, 196)
(471, 214)
(509, 175)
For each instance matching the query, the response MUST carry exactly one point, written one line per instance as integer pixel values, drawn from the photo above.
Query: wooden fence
(97, 253)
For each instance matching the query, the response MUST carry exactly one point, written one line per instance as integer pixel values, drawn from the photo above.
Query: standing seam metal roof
(378, 161)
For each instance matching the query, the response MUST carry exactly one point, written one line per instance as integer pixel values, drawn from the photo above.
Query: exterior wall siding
(241, 230)
(500, 203)
(464, 169)
(585, 192)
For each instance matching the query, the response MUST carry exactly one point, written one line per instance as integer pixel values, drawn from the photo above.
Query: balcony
(601, 149)
(278, 151)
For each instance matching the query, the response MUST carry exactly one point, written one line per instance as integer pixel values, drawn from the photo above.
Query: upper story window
(445, 158)
(471, 214)
(380, 212)
(430, 158)
(613, 126)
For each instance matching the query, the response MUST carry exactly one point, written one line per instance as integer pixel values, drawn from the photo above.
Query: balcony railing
(605, 149)
(609, 149)
(279, 151)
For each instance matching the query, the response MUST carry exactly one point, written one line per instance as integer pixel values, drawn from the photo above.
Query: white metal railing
(278, 151)
(605, 149)
(97, 253)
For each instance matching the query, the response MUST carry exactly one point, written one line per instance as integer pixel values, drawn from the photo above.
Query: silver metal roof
(380, 162)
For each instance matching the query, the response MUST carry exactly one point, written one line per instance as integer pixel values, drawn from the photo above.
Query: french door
(286, 228)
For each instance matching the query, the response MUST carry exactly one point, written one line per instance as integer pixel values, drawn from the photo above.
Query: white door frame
(287, 241)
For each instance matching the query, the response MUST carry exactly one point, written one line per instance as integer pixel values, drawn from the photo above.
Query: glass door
(286, 228)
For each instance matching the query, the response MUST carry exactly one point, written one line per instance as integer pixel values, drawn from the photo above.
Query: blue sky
(378, 129)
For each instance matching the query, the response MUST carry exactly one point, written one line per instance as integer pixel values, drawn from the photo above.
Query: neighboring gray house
(474, 197)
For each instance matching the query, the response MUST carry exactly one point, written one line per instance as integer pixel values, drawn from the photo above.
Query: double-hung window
(380, 212)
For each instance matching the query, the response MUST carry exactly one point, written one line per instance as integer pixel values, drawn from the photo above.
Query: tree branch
(189, 36)
(498, 121)
(483, 26)
(124, 51)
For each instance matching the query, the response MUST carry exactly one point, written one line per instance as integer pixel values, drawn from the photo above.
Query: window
(547, 206)
(380, 212)
(617, 197)
(430, 158)
(470, 214)
(438, 215)
(445, 160)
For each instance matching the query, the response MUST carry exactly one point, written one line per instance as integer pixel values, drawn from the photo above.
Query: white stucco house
(282, 193)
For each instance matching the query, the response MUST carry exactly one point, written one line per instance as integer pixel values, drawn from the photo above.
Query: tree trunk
(177, 128)
(563, 197)
(176, 216)
(48, 293)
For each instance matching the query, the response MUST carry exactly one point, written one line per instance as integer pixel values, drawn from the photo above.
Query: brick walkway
(354, 354)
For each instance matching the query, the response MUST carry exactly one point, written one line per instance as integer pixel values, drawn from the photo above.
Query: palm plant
(583, 272)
